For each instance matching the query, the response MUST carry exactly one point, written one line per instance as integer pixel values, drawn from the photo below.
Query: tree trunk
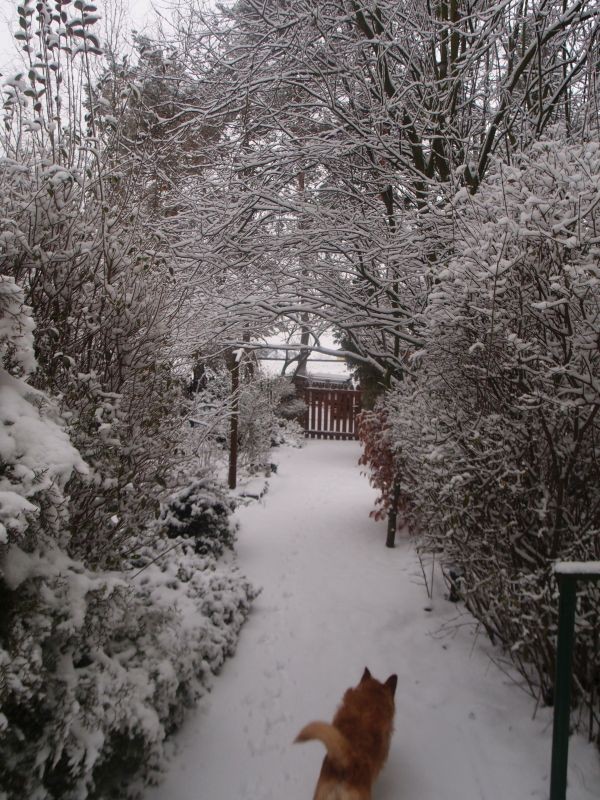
(234, 368)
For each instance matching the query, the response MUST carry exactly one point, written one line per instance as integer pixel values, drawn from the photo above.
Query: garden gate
(330, 412)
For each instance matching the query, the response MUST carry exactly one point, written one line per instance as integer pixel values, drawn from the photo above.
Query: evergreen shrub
(202, 512)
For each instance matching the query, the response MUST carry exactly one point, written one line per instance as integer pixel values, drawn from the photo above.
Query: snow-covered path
(334, 600)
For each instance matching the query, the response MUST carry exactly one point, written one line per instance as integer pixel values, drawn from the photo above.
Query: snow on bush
(288, 413)
(36, 456)
(201, 511)
(289, 406)
(266, 407)
(108, 629)
(96, 667)
(16, 328)
(101, 667)
(496, 432)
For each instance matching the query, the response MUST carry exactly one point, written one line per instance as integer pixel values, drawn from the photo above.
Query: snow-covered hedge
(497, 431)
(109, 629)
(97, 667)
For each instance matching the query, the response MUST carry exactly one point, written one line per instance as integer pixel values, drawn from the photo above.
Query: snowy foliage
(496, 434)
(36, 456)
(97, 285)
(101, 667)
(109, 630)
(16, 329)
(355, 116)
(265, 406)
(201, 512)
(96, 667)
(375, 168)
(290, 406)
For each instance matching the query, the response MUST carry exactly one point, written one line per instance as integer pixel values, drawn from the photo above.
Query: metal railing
(568, 573)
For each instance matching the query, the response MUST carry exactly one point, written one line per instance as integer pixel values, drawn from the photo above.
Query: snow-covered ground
(335, 600)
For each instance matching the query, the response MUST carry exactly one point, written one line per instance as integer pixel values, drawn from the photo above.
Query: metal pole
(562, 686)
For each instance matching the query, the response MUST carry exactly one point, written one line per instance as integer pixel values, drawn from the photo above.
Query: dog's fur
(357, 741)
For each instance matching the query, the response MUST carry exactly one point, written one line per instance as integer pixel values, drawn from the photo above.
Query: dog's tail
(338, 748)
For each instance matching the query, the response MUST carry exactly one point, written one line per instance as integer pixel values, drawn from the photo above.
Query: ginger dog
(357, 741)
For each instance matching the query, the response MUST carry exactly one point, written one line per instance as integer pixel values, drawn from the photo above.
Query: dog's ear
(366, 675)
(391, 684)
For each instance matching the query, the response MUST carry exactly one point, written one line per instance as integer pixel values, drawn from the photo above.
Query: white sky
(140, 12)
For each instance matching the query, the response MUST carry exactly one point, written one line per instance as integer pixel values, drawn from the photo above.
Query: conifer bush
(201, 512)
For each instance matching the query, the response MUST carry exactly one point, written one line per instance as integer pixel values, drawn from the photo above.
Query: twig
(159, 556)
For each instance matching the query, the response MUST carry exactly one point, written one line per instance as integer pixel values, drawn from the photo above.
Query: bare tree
(381, 111)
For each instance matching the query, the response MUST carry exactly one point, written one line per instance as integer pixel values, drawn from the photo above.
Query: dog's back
(357, 741)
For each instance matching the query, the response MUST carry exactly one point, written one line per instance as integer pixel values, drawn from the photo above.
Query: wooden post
(234, 368)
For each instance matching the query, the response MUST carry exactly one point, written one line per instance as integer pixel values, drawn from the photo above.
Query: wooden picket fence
(331, 413)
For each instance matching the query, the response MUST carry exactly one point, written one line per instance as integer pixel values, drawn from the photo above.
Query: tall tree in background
(384, 110)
